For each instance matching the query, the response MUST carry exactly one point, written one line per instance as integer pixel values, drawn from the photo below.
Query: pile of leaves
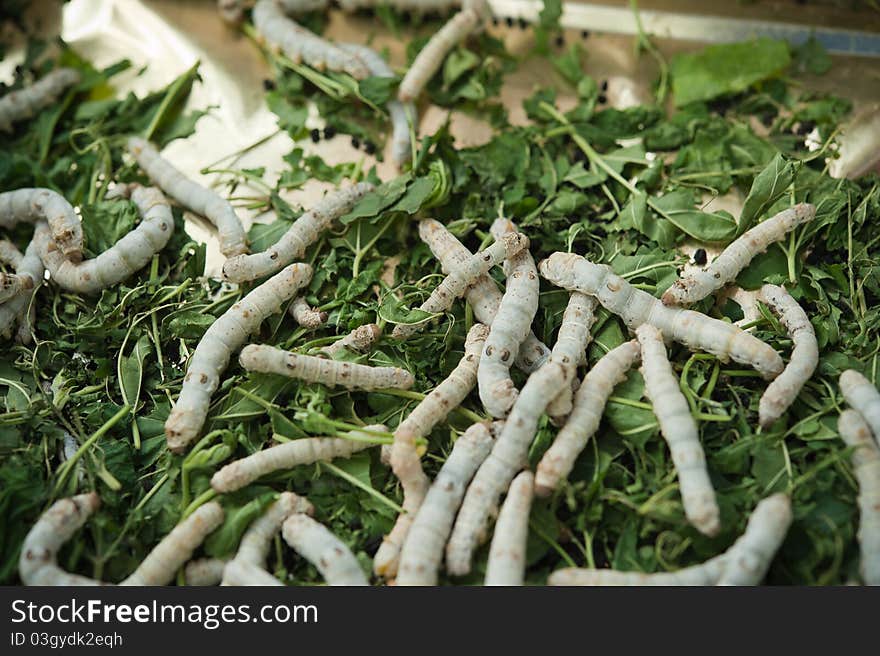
(84, 406)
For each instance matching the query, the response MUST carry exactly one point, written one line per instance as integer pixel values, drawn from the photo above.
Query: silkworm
(783, 390)
(745, 563)
(861, 394)
(301, 45)
(305, 315)
(303, 451)
(636, 307)
(199, 199)
(583, 422)
(248, 567)
(422, 551)
(571, 345)
(125, 257)
(401, 114)
(312, 369)
(303, 233)
(866, 466)
(21, 308)
(455, 284)
(404, 458)
(483, 295)
(34, 205)
(431, 57)
(38, 563)
(314, 542)
(733, 259)
(25, 103)
(510, 453)
(417, 6)
(507, 554)
(162, 563)
(12, 284)
(9, 254)
(749, 558)
(212, 354)
(359, 340)
(509, 328)
(204, 571)
(680, 431)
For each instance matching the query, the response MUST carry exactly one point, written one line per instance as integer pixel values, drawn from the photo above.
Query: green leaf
(769, 185)
(131, 371)
(395, 311)
(569, 64)
(416, 194)
(378, 90)
(377, 200)
(190, 324)
(811, 57)
(458, 62)
(723, 69)
(703, 226)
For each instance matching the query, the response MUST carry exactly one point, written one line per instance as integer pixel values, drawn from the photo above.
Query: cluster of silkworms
(486, 475)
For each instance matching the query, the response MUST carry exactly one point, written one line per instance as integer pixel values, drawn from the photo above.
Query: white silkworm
(736, 257)
(861, 394)
(745, 563)
(401, 114)
(589, 403)
(303, 451)
(199, 199)
(422, 551)
(404, 458)
(303, 233)
(636, 307)
(248, 566)
(176, 548)
(704, 574)
(783, 390)
(748, 560)
(21, 308)
(314, 542)
(38, 563)
(125, 257)
(679, 429)
(25, 103)
(483, 295)
(507, 554)
(301, 45)
(455, 284)
(312, 369)
(510, 453)
(12, 284)
(418, 6)
(33, 205)
(204, 571)
(359, 340)
(509, 328)
(571, 344)
(9, 254)
(866, 466)
(305, 315)
(212, 354)
(431, 57)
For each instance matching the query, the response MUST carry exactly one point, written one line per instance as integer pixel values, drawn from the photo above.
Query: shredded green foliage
(110, 366)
